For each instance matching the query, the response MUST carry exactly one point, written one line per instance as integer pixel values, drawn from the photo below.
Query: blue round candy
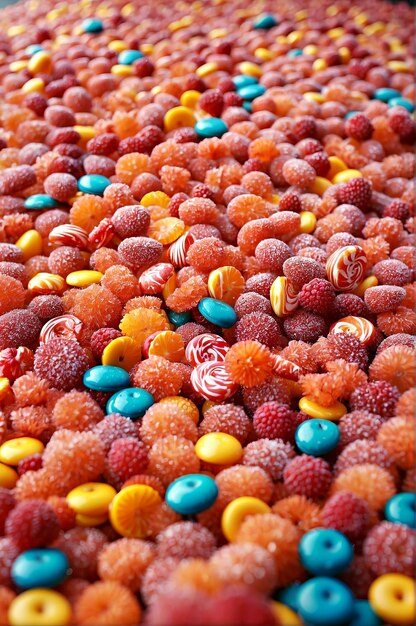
(296, 52)
(289, 596)
(210, 127)
(178, 319)
(106, 378)
(250, 92)
(265, 21)
(325, 551)
(94, 184)
(92, 25)
(243, 80)
(386, 93)
(350, 114)
(132, 402)
(402, 102)
(364, 615)
(127, 57)
(217, 312)
(317, 437)
(191, 494)
(248, 106)
(401, 509)
(41, 567)
(40, 201)
(32, 49)
(325, 601)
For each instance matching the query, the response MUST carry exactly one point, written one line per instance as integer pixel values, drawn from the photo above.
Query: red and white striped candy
(361, 328)
(285, 368)
(69, 235)
(66, 326)
(211, 381)
(206, 347)
(102, 234)
(346, 267)
(179, 249)
(155, 278)
(15, 362)
(283, 297)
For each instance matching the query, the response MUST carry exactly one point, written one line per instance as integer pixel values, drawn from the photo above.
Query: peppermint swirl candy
(66, 326)
(361, 328)
(206, 347)
(102, 234)
(179, 249)
(44, 283)
(69, 235)
(285, 368)
(346, 267)
(211, 381)
(15, 362)
(283, 297)
(155, 278)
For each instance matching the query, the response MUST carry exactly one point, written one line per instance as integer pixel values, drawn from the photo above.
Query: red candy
(206, 347)
(212, 382)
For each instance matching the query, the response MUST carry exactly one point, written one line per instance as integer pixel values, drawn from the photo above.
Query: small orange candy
(226, 284)
(166, 230)
(169, 345)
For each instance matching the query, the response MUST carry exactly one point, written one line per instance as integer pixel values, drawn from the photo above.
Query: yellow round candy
(236, 512)
(169, 287)
(40, 62)
(336, 165)
(117, 45)
(206, 69)
(285, 615)
(33, 85)
(122, 352)
(283, 297)
(263, 54)
(226, 284)
(250, 69)
(40, 607)
(319, 65)
(155, 198)
(86, 132)
(313, 96)
(333, 413)
(345, 54)
(16, 29)
(83, 278)
(370, 281)
(91, 499)
(146, 48)
(218, 448)
(307, 221)
(8, 476)
(216, 33)
(15, 450)
(294, 36)
(336, 33)
(132, 509)
(122, 70)
(18, 66)
(89, 521)
(179, 117)
(45, 283)
(320, 185)
(301, 15)
(190, 98)
(345, 176)
(392, 597)
(310, 50)
(30, 244)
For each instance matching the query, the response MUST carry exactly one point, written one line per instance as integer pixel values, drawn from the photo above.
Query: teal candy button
(210, 127)
(92, 25)
(364, 615)
(250, 92)
(106, 378)
(401, 509)
(94, 184)
(325, 552)
(386, 93)
(127, 57)
(265, 21)
(317, 437)
(131, 402)
(191, 494)
(217, 312)
(35, 47)
(402, 102)
(243, 80)
(42, 567)
(325, 601)
(179, 319)
(40, 201)
(296, 52)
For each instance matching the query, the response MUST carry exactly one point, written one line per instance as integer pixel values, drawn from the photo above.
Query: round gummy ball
(127, 457)
(389, 548)
(18, 328)
(46, 307)
(32, 524)
(308, 476)
(62, 362)
(131, 221)
(304, 326)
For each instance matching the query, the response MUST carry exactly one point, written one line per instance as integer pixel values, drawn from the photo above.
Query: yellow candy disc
(179, 117)
(91, 499)
(236, 511)
(122, 352)
(15, 450)
(307, 221)
(30, 244)
(40, 607)
(89, 521)
(334, 412)
(285, 615)
(345, 176)
(392, 597)
(370, 281)
(8, 476)
(218, 448)
(83, 278)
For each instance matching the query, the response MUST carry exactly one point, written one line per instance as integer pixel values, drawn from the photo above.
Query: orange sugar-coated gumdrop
(96, 306)
(396, 365)
(88, 211)
(125, 561)
(169, 345)
(166, 419)
(105, 603)
(188, 295)
(121, 282)
(158, 376)
(242, 480)
(171, 457)
(249, 565)
(248, 363)
(195, 574)
(76, 411)
(369, 482)
(398, 438)
(247, 207)
(184, 404)
(140, 323)
(302, 512)
(166, 230)
(12, 294)
(226, 284)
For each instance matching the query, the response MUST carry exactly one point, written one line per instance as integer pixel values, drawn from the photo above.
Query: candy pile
(207, 313)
